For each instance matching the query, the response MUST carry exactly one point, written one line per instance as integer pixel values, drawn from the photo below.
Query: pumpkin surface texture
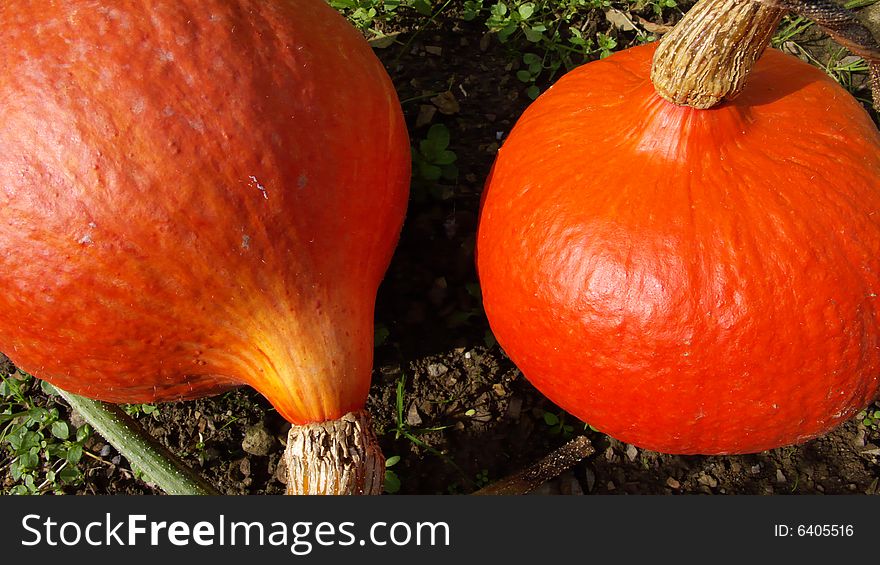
(690, 281)
(195, 195)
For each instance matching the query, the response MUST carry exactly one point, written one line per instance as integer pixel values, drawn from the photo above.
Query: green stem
(142, 450)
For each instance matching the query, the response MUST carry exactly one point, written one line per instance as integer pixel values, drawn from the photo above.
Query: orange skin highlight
(690, 281)
(195, 195)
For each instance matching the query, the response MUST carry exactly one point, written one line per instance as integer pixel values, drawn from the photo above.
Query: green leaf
(83, 433)
(29, 460)
(68, 474)
(531, 58)
(533, 92)
(392, 482)
(438, 135)
(524, 75)
(445, 157)
(505, 32)
(526, 10)
(47, 388)
(430, 172)
(533, 35)
(423, 7)
(550, 418)
(392, 461)
(60, 430)
(75, 453)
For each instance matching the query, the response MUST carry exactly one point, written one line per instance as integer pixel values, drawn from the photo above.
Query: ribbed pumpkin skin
(195, 194)
(689, 281)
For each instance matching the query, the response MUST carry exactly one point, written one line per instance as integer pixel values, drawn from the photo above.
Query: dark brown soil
(468, 415)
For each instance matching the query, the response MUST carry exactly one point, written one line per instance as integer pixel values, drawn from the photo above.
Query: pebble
(707, 480)
(871, 449)
(610, 486)
(755, 469)
(434, 50)
(106, 450)
(780, 477)
(412, 415)
(672, 483)
(257, 440)
(631, 452)
(859, 440)
(499, 389)
(437, 369)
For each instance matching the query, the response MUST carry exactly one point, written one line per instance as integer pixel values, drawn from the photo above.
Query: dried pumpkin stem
(547, 468)
(708, 55)
(143, 451)
(336, 457)
(706, 58)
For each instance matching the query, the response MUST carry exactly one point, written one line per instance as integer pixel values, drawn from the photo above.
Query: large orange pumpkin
(690, 281)
(194, 195)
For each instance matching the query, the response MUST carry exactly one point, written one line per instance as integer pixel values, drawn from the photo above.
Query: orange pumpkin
(195, 195)
(690, 281)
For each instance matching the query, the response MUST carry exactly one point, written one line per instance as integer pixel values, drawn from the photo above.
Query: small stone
(707, 480)
(426, 115)
(434, 50)
(780, 477)
(859, 440)
(609, 454)
(672, 483)
(870, 450)
(245, 467)
(499, 389)
(484, 42)
(755, 469)
(610, 486)
(437, 369)
(257, 440)
(446, 103)
(412, 415)
(631, 452)
(106, 450)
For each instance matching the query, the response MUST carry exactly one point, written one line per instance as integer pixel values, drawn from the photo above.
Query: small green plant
(869, 418)
(136, 410)
(482, 478)
(392, 481)
(529, 74)
(40, 449)
(433, 160)
(371, 16)
(556, 423)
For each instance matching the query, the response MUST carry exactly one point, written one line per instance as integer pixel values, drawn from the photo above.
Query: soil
(468, 415)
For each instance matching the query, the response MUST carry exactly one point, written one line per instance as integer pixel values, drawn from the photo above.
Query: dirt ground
(469, 416)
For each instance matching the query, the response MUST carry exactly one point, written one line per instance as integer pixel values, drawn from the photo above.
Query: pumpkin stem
(706, 58)
(336, 457)
(547, 468)
(145, 454)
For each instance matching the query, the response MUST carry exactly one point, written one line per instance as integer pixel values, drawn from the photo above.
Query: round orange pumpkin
(194, 195)
(690, 281)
